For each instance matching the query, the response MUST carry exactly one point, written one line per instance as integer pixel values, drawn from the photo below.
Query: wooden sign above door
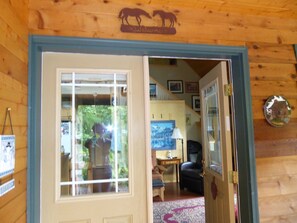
(168, 20)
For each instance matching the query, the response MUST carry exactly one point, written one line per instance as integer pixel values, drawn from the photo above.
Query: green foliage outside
(88, 115)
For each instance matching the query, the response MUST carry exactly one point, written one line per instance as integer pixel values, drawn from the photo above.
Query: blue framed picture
(161, 132)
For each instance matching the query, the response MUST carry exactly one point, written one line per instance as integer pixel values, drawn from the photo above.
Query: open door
(217, 146)
(92, 150)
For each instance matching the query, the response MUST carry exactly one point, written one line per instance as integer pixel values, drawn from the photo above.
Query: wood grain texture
(16, 208)
(273, 72)
(275, 148)
(20, 187)
(264, 131)
(268, 28)
(14, 94)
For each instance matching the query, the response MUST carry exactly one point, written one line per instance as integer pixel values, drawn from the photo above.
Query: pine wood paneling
(12, 66)
(276, 147)
(264, 131)
(20, 187)
(273, 72)
(268, 29)
(22, 219)
(264, 89)
(16, 208)
(271, 53)
(14, 94)
(290, 218)
(276, 166)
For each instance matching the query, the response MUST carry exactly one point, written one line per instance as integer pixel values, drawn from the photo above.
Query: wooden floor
(172, 192)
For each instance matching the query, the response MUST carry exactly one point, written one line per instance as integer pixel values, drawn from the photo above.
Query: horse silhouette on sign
(166, 15)
(136, 12)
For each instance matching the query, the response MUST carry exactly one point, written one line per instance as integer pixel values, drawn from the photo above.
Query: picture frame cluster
(177, 87)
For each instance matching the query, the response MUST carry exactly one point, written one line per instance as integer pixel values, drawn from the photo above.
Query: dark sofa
(190, 172)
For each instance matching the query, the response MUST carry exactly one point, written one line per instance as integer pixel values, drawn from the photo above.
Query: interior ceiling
(202, 67)
(199, 66)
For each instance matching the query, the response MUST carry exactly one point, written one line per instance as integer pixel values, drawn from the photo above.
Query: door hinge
(228, 89)
(234, 177)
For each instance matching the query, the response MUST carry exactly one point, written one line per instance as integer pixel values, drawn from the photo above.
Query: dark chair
(191, 172)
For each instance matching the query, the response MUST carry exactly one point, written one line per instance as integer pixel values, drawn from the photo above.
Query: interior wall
(162, 72)
(14, 94)
(180, 71)
(267, 28)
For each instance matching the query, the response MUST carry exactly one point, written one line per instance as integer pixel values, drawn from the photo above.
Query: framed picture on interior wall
(161, 132)
(191, 87)
(153, 90)
(196, 102)
(175, 86)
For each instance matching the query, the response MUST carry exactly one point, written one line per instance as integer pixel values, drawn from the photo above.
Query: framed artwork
(191, 87)
(153, 90)
(175, 86)
(161, 132)
(196, 102)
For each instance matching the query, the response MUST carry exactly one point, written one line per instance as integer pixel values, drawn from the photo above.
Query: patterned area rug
(181, 211)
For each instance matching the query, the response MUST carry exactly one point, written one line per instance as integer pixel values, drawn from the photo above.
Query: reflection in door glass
(214, 155)
(94, 133)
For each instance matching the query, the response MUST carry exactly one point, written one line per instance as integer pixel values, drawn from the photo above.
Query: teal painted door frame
(242, 104)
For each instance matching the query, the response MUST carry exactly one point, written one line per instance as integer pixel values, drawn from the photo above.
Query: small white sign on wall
(7, 161)
(7, 155)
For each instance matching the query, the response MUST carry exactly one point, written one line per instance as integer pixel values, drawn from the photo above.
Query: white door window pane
(94, 133)
(214, 153)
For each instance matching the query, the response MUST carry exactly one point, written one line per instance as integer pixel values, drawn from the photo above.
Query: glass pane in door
(94, 133)
(212, 123)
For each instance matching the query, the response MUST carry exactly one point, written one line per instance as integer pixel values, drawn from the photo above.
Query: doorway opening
(183, 74)
(242, 103)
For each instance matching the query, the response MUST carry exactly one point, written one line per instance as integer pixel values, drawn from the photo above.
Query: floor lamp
(177, 135)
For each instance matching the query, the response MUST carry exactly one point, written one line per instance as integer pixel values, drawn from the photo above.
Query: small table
(168, 161)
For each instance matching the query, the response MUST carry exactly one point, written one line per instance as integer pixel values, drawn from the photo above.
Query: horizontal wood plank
(278, 185)
(189, 13)
(273, 10)
(21, 10)
(271, 53)
(276, 148)
(93, 22)
(282, 218)
(15, 14)
(13, 42)
(22, 219)
(11, 212)
(278, 205)
(20, 187)
(12, 66)
(264, 131)
(21, 160)
(273, 72)
(264, 89)
(276, 166)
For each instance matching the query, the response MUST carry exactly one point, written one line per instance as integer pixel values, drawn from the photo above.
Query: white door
(93, 161)
(217, 146)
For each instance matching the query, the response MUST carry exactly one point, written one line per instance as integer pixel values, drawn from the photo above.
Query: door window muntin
(94, 83)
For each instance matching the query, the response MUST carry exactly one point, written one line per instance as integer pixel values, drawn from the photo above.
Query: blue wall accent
(241, 102)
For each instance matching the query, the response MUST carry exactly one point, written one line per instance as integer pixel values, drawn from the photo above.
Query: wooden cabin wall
(14, 94)
(267, 28)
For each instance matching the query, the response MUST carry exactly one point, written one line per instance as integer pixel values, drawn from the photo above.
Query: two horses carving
(137, 13)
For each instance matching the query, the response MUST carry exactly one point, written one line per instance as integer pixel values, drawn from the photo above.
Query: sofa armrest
(189, 165)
